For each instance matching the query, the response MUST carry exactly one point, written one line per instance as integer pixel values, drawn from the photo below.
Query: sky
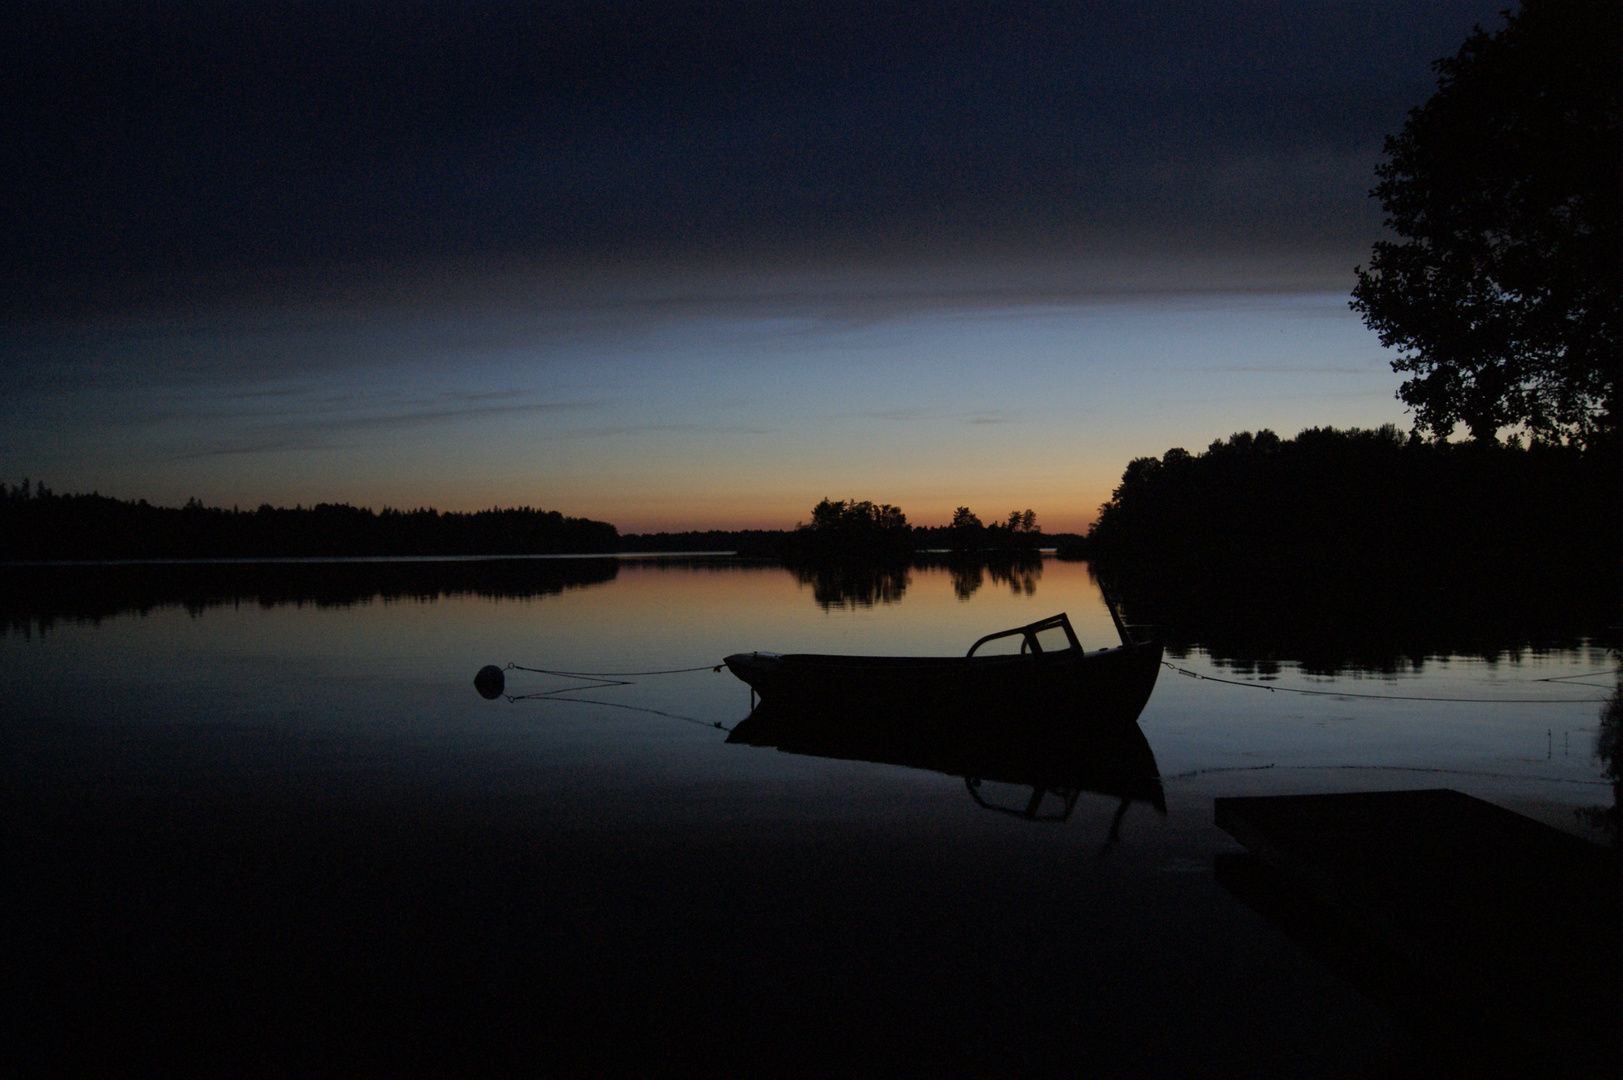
(687, 265)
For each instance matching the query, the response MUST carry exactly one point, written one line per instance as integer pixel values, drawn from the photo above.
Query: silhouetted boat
(1034, 688)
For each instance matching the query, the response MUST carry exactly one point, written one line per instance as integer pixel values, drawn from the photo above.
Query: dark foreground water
(259, 821)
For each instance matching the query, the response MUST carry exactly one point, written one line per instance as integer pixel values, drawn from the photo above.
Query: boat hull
(1106, 686)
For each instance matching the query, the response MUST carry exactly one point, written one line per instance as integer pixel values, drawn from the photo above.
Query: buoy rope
(612, 674)
(557, 695)
(1386, 697)
(1192, 773)
(1576, 678)
(597, 680)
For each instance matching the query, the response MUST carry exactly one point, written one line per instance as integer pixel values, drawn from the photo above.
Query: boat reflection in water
(978, 741)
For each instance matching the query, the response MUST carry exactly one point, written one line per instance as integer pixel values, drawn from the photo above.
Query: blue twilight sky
(680, 265)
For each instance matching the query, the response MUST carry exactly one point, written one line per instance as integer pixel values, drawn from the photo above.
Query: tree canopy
(852, 516)
(852, 530)
(1505, 293)
(37, 523)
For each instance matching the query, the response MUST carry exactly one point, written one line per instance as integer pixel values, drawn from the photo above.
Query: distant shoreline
(264, 560)
(39, 526)
(298, 560)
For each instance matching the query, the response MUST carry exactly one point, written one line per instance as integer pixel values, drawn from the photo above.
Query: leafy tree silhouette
(1505, 292)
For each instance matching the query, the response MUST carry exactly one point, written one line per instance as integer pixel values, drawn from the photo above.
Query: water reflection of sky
(393, 677)
(328, 774)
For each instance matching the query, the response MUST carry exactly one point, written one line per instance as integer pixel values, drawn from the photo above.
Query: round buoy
(490, 682)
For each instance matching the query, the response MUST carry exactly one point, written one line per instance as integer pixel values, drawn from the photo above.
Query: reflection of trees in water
(32, 599)
(1325, 633)
(1334, 640)
(864, 583)
(1019, 570)
(855, 584)
(1609, 749)
(966, 578)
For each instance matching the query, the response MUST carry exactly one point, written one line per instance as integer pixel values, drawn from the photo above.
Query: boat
(1036, 687)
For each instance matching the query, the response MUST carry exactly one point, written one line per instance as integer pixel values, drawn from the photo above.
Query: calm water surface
(724, 873)
(382, 688)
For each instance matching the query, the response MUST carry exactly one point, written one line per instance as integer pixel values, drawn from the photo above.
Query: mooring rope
(597, 680)
(1192, 773)
(613, 674)
(1576, 679)
(556, 695)
(1386, 697)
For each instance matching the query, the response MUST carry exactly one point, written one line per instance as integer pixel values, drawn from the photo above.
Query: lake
(257, 817)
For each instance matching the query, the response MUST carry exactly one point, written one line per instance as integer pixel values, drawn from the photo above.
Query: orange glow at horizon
(695, 404)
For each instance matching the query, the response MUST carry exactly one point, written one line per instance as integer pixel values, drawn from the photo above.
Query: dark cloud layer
(228, 139)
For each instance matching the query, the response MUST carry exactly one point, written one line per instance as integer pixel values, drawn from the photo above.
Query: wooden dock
(1493, 937)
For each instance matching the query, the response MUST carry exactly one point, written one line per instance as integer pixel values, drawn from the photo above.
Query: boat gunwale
(845, 660)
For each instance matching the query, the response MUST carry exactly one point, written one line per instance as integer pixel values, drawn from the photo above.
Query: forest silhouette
(1364, 540)
(38, 524)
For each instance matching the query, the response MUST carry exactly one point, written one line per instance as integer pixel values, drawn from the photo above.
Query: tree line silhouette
(38, 524)
(852, 530)
(965, 533)
(1349, 532)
